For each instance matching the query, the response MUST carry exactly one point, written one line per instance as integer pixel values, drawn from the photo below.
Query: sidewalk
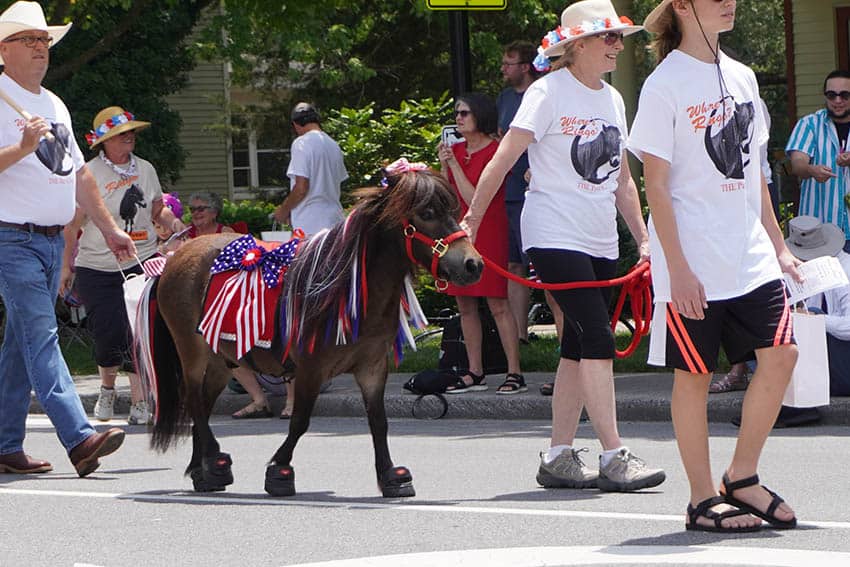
(640, 397)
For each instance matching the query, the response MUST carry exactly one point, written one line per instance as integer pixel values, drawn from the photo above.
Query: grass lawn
(538, 356)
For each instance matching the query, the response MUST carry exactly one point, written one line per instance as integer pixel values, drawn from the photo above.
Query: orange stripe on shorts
(686, 345)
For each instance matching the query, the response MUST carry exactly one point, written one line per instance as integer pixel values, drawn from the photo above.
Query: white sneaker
(104, 408)
(139, 414)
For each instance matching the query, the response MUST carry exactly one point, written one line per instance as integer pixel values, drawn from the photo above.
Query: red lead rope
(636, 285)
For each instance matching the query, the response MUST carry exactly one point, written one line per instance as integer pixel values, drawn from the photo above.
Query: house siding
(199, 104)
(814, 50)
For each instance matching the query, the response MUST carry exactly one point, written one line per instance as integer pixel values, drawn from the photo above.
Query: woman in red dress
(477, 120)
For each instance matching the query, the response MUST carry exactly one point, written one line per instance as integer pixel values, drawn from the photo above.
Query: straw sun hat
(585, 18)
(110, 122)
(25, 16)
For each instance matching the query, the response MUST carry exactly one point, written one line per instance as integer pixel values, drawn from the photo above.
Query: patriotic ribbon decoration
(244, 298)
(245, 254)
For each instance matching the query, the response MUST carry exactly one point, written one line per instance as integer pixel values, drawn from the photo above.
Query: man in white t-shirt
(42, 178)
(315, 172)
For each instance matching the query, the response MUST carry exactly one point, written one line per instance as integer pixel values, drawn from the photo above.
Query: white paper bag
(276, 235)
(134, 286)
(809, 385)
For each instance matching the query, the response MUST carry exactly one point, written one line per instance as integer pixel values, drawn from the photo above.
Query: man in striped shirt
(820, 156)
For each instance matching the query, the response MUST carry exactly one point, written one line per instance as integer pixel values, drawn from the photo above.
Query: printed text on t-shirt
(704, 114)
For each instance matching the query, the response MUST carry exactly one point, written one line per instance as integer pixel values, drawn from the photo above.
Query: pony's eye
(427, 214)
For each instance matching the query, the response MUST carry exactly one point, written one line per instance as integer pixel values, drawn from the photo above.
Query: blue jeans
(30, 358)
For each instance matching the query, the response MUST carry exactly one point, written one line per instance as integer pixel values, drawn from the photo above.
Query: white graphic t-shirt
(318, 158)
(712, 142)
(130, 202)
(575, 159)
(40, 188)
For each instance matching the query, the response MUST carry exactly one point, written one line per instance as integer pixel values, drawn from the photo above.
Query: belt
(30, 227)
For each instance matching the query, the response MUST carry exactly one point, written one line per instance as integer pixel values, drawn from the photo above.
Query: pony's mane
(325, 288)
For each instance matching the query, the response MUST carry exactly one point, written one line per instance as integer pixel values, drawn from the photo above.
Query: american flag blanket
(243, 292)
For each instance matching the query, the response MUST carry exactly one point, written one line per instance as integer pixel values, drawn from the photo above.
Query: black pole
(461, 59)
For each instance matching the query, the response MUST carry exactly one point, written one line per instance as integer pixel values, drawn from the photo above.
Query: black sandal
(460, 387)
(730, 487)
(515, 384)
(547, 389)
(703, 509)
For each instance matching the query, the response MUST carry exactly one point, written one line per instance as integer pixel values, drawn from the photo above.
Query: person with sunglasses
(130, 188)
(718, 254)
(573, 125)
(819, 151)
(43, 177)
(477, 121)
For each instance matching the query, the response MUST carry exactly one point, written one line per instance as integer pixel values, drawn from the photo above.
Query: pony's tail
(171, 419)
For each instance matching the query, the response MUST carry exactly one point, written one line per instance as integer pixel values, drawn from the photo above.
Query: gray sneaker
(566, 471)
(104, 408)
(625, 473)
(139, 414)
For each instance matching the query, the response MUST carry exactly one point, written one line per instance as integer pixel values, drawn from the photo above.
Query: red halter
(439, 248)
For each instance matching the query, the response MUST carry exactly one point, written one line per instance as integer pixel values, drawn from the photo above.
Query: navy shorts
(515, 253)
(103, 297)
(759, 319)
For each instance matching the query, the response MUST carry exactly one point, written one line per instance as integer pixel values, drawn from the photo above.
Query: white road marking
(439, 508)
(605, 555)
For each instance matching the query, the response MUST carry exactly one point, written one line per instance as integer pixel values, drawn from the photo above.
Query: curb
(640, 397)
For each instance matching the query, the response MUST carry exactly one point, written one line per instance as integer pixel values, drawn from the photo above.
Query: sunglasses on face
(199, 208)
(611, 38)
(832, 95)
(31, 40)
(463, 113)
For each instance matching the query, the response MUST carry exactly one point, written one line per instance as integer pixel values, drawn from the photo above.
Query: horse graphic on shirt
(129, 207)
(728, 143)
(596, 151)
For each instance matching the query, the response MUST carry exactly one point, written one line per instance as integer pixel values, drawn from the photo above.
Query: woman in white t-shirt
(131, 192)
(718, 253)
(574, 127)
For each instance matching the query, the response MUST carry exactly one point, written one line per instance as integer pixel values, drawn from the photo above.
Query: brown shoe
(20, 463)
(85, 456)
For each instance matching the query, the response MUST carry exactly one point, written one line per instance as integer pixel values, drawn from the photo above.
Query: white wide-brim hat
(586, 18)
(657, 19)
(23, 16)
(809, 238)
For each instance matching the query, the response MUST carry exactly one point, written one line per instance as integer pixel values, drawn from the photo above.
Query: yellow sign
(467, 4)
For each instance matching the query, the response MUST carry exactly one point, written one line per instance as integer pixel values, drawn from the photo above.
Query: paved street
(477, 502)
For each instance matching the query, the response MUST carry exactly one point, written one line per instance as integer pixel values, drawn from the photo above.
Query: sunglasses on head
(832, 95)
(610, 38)
(463, 113)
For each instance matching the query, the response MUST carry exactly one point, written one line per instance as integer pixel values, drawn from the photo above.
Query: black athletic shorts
(759, 319)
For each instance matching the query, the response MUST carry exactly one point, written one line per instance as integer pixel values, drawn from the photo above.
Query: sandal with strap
(460, 387)
(729, 383)
(728, 488)
(515, 383)
(704, 510)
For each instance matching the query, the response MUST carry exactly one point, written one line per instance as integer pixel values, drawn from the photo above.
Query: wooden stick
(47, 136)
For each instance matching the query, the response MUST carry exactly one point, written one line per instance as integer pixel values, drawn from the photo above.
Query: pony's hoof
(396, 482)
(201, 485)
(215, 473)
(280, 480)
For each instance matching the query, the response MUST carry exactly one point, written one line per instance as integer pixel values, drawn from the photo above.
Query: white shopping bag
(809, 386)
(134, 286)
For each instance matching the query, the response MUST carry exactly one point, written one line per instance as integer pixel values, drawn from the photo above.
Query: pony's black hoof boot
(216, 473)
(280, 480)
(397, 482)
(201, 485)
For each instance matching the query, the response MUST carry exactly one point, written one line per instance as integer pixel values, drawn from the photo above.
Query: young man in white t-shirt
(717, 253)
(315, 172)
